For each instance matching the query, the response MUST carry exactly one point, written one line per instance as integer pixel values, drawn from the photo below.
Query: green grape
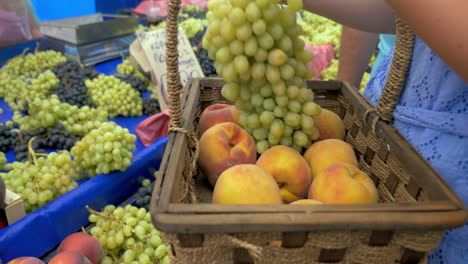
(287, 16)
(262, 146)
(259, 27)
(311, 109)
(262, 3)
(279, 88)
(282, 100)
(286, 72)
(273, 140)
(258, 71)
(267, 118)
(251, 47)
(276, 57)
(260, 133)
(222, 11)
(275, 30)
(266, 91)
(253, 121)
(277, 128)
(244, 105)
(224, 55)
(286, 44)
(252, 12)
(300, 138)
(269, 104)
(261, 55)
(293, 120)
(265, 41)
(237, 16)
(293, 91)
(280, 111)
(229, 72)
(245, 78)
(244, 32)
(228, 31)
(218, 42)
(286, 140)
(273, 74)
(307, 122)
(294, 106)
(239, 3)
(271, 12)
(257, 100)
(241, 64)
(230, 91)
(236, 47)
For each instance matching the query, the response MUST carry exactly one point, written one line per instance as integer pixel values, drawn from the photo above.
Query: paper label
(154, 46)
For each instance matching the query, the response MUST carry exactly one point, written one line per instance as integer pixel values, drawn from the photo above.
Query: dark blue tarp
(43, 229)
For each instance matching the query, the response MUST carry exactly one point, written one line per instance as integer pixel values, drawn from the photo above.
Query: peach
(70, 257)
(326, 152)
(306, 201)
(215, 114)
(26, 260)
(343, 184)
(246, 184)
(223, 146)
(85, 244)
(290, 171)
(329, 125)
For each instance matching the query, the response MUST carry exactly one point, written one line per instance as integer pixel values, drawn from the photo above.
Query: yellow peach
(326, 152)
(223, 146)
(329, 125)
(215, 114)
(306, 201)
(246, 184)
(343, 184)
(290, 171)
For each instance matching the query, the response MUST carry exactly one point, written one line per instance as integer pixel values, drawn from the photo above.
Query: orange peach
(290, 171)
(70, 257)
(306, 201)
(343, 184)
(329, 125)
(86, 244)
(223, 146)
(26, 260)
(215, 114)
(246, 184)
(326, 152)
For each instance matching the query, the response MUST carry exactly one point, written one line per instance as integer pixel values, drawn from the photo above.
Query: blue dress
(432, 113)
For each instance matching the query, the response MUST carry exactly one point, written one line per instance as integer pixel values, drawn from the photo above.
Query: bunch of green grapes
(48, 112)
(41, 179)
(126, 68)
(104, 149)
(128, 236)
(32, 64)
(193, 8)
(116, 97)
(258, 52)
(38, 87)
(319, 30)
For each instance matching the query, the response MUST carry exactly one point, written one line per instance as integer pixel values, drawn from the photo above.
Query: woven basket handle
(398, 70)
(174, 86)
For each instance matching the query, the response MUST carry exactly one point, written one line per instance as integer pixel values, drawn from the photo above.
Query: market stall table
(43, 229)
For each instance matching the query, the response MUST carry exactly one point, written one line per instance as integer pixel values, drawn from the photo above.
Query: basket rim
(445, 211)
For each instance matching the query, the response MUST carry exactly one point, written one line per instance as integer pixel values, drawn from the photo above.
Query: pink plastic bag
(13, 28)
(323, 56)
(153, 127)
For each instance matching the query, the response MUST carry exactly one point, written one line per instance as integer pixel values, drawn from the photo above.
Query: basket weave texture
(415, 205)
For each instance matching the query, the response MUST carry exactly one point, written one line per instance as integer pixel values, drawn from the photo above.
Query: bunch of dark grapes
(7, 138)
(151, 106)
(196, 40)
(143, 196)
(136, 82)
(71, 88)
(52, 138)
(206, 63)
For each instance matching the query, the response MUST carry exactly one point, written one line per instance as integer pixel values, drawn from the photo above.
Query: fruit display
(319, 31)
(127, 235)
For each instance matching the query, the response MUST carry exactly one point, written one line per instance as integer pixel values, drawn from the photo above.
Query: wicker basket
(415, 206)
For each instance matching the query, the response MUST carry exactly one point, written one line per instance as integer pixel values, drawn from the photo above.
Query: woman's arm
(443, 25)
(355, 52)
(366, 15)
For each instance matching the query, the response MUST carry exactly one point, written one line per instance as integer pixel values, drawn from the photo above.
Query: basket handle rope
(396, 78)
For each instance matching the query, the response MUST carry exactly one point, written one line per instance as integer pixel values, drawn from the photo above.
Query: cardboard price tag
(154, 46)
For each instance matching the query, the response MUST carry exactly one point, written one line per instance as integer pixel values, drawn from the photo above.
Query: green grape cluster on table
(258, 51)
(48, 112)
(104, 149)
(3, 161)
(114, 96)
(128, 236)
(41, 179)
(126, 68)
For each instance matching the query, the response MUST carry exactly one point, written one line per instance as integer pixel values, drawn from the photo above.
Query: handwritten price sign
(154, 46)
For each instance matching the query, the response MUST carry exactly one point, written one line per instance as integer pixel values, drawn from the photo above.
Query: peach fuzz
(329, 125)
(305, 202)
(343, 184)
(70, 257)
(223, 146)
(85, 244)
(246, 184)
(324, 153)
(26, 260)
(290, 171)
(215, 114)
